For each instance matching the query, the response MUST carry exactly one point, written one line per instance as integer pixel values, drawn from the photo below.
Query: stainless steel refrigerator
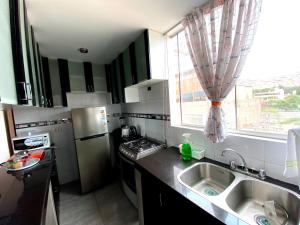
(92, 146)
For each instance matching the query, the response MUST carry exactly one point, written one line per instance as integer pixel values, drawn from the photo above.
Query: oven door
(128, 172)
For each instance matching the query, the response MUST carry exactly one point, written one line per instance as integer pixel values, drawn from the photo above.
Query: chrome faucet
(239, 155)
(261, 174)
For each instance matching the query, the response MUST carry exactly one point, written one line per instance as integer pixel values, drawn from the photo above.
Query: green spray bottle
(186, 149)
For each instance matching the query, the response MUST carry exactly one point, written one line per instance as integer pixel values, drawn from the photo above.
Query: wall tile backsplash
(259, 153)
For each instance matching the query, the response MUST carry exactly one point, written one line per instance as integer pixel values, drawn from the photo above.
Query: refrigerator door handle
(93, 136)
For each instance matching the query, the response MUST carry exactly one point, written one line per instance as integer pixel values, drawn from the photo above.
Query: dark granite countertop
(167, 164)
(23, 194)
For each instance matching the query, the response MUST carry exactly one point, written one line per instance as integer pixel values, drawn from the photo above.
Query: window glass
(189, 93)
(268, 91)
(266, 99)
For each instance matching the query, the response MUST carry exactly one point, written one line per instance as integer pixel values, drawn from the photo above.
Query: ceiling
(105, 27)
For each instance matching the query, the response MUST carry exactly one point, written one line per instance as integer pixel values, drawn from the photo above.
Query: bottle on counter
(186, 149)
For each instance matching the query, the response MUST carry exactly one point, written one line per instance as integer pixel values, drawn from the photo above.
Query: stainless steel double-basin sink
(243, 196)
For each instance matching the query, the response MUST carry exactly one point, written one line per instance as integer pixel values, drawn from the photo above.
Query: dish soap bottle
(186, 150)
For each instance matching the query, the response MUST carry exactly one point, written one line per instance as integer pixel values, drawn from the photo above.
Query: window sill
(252, 135)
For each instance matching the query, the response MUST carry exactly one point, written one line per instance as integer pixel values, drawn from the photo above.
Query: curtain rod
(205, 6)
(171, 28)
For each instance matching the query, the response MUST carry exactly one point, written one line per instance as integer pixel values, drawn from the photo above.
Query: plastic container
(38, 154)
(198, 154)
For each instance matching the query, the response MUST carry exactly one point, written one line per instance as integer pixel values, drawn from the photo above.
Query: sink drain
(210, 192)
(261, 220)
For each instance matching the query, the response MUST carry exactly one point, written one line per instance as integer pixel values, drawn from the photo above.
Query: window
(266, 99)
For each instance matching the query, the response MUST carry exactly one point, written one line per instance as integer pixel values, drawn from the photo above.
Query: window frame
(172, 96)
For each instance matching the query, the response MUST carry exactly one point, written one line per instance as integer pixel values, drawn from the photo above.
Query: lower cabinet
(163, 205)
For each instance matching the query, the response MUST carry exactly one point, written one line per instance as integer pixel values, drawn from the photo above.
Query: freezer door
(89, 121)
(93, 161)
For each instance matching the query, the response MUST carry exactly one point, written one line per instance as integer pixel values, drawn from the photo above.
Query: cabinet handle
(30, 91)
(24, 86)
(160, 200)
(43, 100)
(25, 90)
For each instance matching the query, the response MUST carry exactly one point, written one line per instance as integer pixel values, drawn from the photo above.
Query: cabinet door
(180, 210)
(55, 82)
(77, 78)
(25, 53)
(47, 82)
(37, 66)
(26, 57)
(99, 78)
(120, 78)
(163, 205)
(88, 74)
(128, 75)
(64, 79)
(141, 47)
(108, 77)
(116, 82)
(17, 50)
(30, 59)
(153, 208)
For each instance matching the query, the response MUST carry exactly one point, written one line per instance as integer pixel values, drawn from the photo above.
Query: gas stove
(140, 148)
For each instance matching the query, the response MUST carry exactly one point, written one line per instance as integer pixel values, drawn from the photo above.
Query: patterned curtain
(219, 38)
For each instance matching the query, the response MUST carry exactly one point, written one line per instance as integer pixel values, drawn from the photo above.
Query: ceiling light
(83, 50)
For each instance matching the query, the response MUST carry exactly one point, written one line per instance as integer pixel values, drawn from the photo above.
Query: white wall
(7, 76)
(61, 135)
(4, 150)
(268, 154)
(151, 101)
(81, 100)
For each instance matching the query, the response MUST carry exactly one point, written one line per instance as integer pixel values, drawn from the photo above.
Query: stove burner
(139, 148)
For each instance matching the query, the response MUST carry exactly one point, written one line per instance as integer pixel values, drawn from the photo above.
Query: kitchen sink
(206, 178)
(251, 199)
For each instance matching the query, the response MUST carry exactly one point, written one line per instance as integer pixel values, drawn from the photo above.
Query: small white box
(198, 154)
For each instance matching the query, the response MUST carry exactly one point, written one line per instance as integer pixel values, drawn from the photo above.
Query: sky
(276, 47)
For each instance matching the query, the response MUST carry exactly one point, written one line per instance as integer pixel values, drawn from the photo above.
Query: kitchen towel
(292, 154)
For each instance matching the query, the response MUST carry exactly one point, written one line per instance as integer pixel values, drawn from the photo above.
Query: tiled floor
(106, 206)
